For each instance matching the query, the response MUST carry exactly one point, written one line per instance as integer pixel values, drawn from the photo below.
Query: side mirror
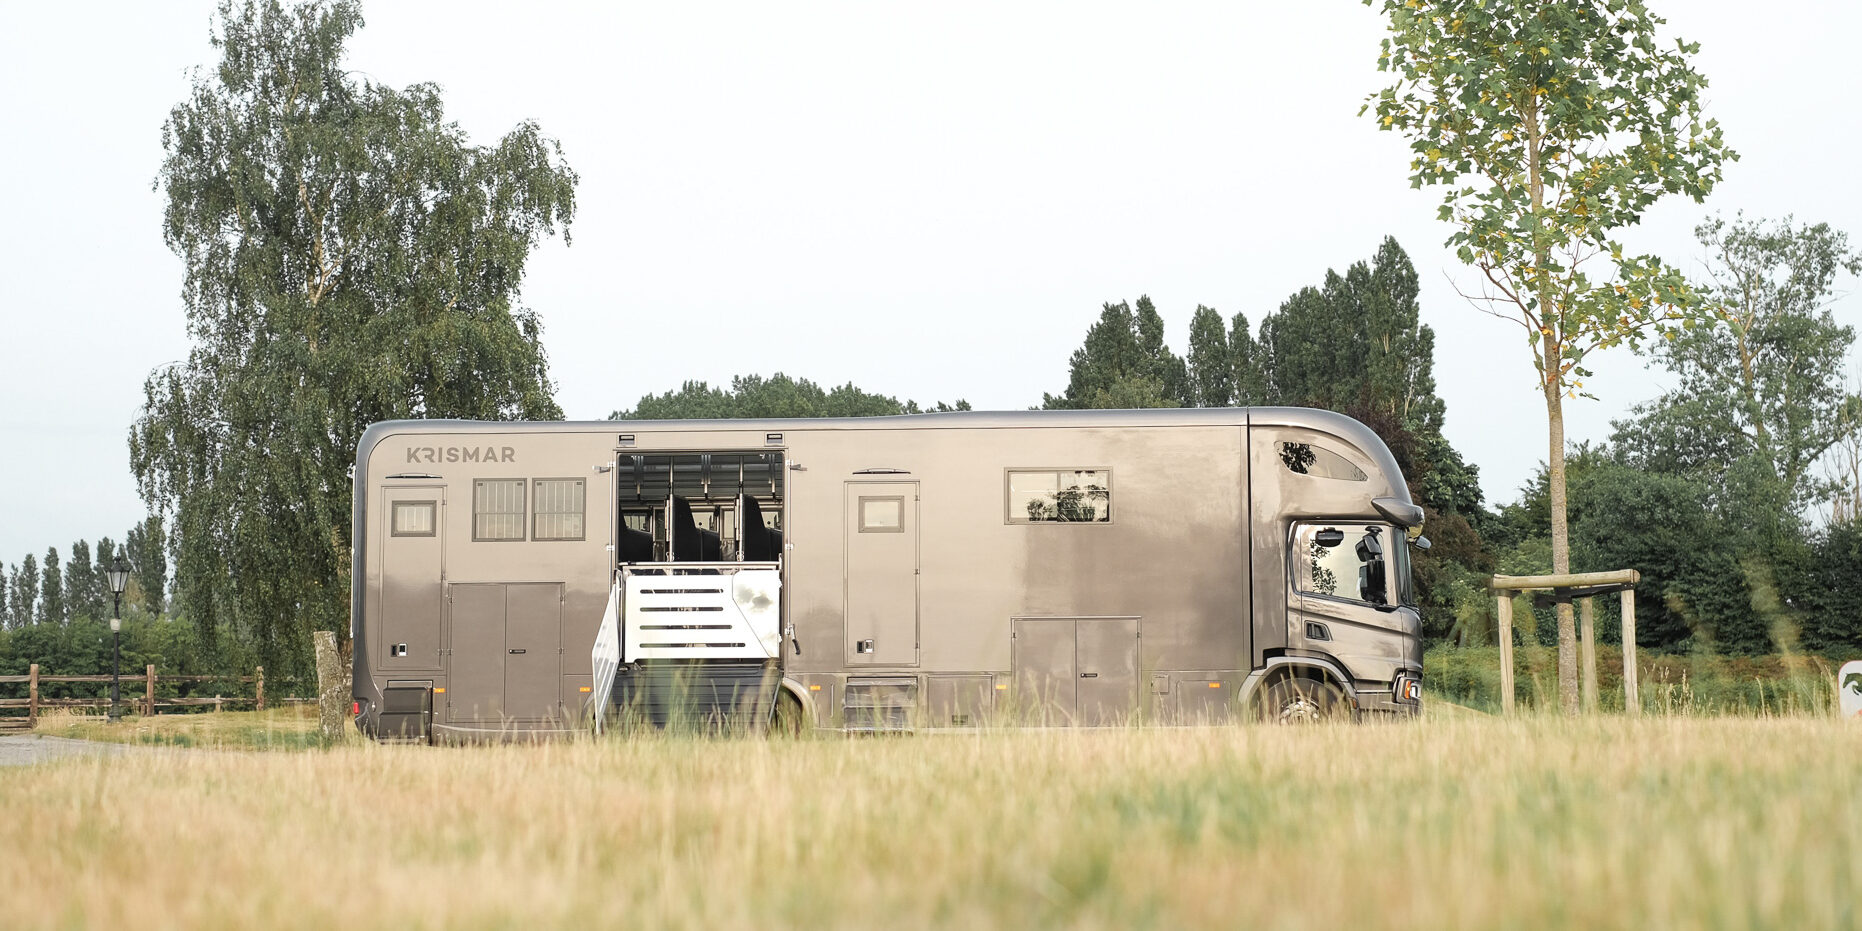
(1422, 544)
(1329, 537)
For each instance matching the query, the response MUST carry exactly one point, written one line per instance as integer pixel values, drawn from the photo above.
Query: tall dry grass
(1453, 821)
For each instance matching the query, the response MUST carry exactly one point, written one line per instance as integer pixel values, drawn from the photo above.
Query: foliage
(753, 396)
(1250, 373)
(1768, 384)
(51, 589)
(1551, 126)
(145, 547)
(349, 258)
(1124, 364)
(1212, 368)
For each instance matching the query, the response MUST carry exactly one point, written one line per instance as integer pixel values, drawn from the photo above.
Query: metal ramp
(689, 644)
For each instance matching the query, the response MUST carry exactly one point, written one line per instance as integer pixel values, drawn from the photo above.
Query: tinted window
(1356, 568)
(1059, 496)
(1317, 461)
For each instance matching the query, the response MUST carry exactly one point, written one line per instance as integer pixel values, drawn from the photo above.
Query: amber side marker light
(587, 688)
(439, 691)
(1215, 685)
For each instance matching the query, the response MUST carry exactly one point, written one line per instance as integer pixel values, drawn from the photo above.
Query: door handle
(1089, 675)
(514, 652)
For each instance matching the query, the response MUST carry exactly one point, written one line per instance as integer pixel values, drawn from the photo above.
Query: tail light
(355, 709)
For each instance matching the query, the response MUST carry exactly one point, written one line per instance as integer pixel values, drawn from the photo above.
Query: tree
(1550, 127)
(1250, 377)
(1123, 363)
(1212, 368)
(145, 548)
(1399, 350)
(753, 396)
(349, 258)
(52, 608)
(25, 594)
(1769, 383)
(81, 592)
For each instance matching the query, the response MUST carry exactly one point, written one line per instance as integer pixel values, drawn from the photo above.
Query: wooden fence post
(32, 697)
(261, 692)
(1631, 702)
(1587, 652)
(1504, 611)
(148, 692)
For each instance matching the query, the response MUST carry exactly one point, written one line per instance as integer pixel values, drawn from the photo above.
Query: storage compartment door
(1106, 656)
(882, 573)
(411, 589)
(533, 651)
(475, 654)
(1044, 671)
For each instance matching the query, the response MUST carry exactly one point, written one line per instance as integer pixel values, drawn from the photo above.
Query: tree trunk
(333, 687)
(1561, 531)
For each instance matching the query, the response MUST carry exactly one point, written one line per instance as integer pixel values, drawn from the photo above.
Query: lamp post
(119, 580)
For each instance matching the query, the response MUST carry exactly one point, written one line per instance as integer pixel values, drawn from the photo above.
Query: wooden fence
(147, 703)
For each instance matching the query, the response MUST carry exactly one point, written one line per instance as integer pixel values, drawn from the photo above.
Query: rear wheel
(1298, 700)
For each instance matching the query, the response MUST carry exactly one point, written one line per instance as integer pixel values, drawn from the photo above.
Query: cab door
(1347, 602)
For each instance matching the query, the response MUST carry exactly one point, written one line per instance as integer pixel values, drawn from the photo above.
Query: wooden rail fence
(147, 703)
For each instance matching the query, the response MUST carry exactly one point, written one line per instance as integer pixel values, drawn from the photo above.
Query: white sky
(929, 200)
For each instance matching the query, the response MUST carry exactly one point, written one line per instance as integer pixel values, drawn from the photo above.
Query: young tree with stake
(1550, 127)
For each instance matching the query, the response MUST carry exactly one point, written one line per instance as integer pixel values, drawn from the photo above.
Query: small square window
(413, 518)
(882, 515)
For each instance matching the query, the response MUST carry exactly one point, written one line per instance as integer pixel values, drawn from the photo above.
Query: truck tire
(787, 721)
(1299, 700)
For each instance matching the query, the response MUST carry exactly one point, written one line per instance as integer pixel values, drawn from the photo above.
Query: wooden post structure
(32, 696)
(1587, 653)
(1504, 612)
(1581, 586)
(148, 692)
(1632, 703)
(261, 688)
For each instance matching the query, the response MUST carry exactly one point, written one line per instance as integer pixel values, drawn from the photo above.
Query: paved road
(27, 749)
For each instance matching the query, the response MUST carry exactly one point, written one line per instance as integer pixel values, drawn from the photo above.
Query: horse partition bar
(698, 507)
(1580, 587)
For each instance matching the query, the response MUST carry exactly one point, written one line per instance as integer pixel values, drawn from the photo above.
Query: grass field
(1455, 821)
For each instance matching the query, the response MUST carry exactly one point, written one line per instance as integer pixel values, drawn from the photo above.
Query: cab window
(1348, 561)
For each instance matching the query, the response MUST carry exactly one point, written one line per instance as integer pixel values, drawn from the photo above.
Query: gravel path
(27, 749)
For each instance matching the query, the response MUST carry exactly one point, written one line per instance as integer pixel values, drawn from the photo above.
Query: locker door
(1045, 674)
(1106, 660)
(533, 651)
(475, 654)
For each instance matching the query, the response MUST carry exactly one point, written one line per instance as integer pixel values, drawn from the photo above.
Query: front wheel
(787, 720)
(1297, 700)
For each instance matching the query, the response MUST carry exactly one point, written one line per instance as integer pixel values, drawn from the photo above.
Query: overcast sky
(929, 200)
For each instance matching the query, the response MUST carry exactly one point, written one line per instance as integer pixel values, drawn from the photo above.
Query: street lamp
(119, 580)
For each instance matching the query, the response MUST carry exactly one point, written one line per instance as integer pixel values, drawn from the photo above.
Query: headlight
(1406, 688)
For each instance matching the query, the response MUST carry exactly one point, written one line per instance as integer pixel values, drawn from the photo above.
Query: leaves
(1549, 126)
